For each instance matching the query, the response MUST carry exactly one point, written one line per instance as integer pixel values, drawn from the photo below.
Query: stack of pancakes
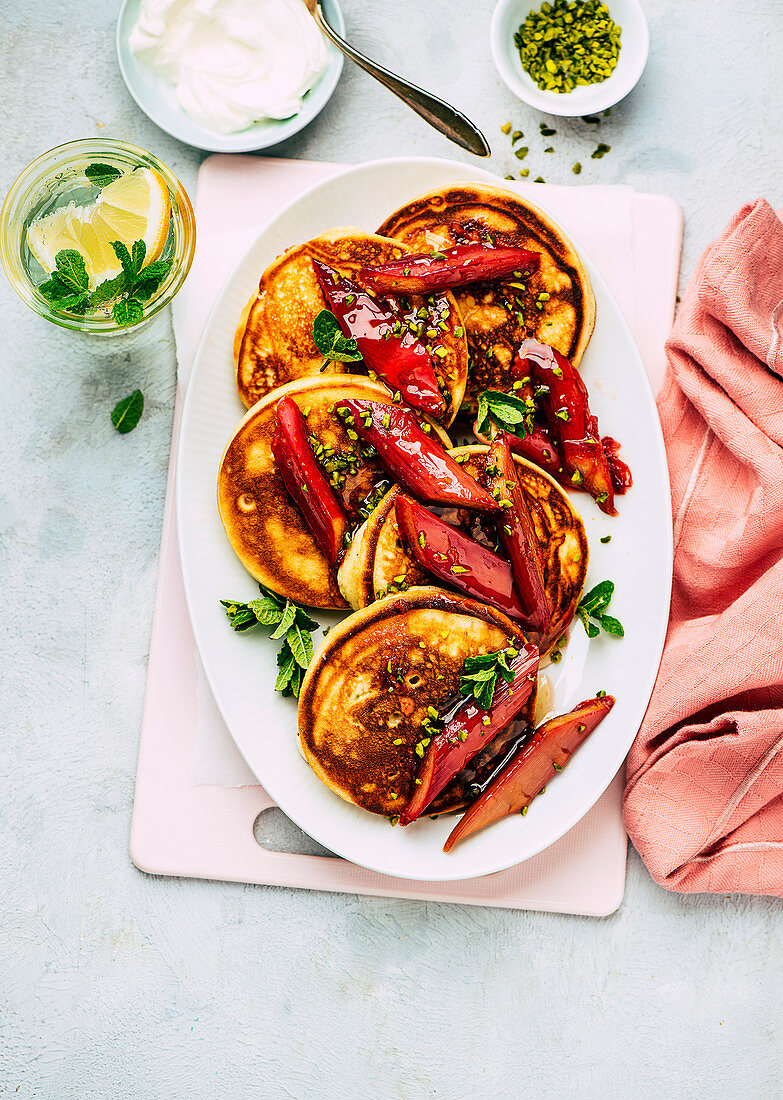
(401, 651)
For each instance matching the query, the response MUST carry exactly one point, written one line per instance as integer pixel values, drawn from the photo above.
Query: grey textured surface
(114, 984)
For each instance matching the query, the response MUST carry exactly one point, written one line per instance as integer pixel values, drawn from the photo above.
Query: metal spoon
(442, 116)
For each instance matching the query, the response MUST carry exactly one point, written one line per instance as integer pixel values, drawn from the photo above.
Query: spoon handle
(442, 116)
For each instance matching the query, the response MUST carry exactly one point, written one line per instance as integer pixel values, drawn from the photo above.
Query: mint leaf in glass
(138, 252)
(101, 174)
(109, 289)
(127, 312)
(124, 256)
(71, 269)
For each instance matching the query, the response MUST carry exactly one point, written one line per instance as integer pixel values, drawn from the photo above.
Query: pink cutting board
(207, 831)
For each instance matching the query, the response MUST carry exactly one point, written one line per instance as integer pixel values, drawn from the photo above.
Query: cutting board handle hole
(275, 832)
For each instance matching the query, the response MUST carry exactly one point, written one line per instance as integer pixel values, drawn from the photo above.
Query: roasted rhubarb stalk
(305, 481)
(531, 768)
(415, 459)
(457, 559)
(622, 479)
(562, 395)
(388, 347)
(467, 729)
(458, 266)
(517, 533)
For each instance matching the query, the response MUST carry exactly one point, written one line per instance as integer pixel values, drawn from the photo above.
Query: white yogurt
(232, 62)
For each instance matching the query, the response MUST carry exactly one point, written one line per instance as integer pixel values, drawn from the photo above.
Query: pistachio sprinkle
(567, 43)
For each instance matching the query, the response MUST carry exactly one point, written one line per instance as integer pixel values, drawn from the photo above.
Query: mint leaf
(330, 341)
(590, 628)
(480, 676)
(611, 626)
(145, 288)
(127, 413)
(151, 278)
(296, 652)
(127, 312)
(286, 622)
(301, 644)
(71, 269)
(124, 256)
(482, 417)
(241, 618)
(266, 610)
(74, 303)
(304, 621)
(286, 673)
(511, 413)
(109, 288)
(139, 251)
(591, 611)
(101, 174)
(55, 288)
(597, 598)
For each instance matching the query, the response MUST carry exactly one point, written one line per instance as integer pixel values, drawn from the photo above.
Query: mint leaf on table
(480, 675)
(591, 612)
(330, 341)
(510, 413)
(127, 413)
(128, 311)
(100, 175)
(290, 620)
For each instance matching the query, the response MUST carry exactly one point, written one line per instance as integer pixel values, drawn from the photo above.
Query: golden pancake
(365, 695)
(274, 339)
(264, 527)
(498, 316)
(376, 563)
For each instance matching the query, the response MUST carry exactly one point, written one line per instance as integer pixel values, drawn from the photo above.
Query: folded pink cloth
(704, 794)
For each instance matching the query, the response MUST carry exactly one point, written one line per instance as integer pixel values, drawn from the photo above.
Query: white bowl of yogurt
(228, 76)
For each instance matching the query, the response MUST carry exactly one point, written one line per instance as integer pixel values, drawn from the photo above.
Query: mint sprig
(480, 675)
(291, 622)
(68, 290)
(329, 339)
(592, 612)
(100, 175)
(67, 287)
(510, 413)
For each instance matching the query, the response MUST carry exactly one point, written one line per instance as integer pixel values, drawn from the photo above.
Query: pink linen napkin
(704, 794)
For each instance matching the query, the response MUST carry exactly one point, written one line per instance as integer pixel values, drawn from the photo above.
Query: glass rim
(12, 218)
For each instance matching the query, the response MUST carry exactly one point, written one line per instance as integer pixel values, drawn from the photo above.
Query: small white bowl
(156, 96)
(584, 99)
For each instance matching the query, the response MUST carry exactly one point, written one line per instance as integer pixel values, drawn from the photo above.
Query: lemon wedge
(134, 207)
